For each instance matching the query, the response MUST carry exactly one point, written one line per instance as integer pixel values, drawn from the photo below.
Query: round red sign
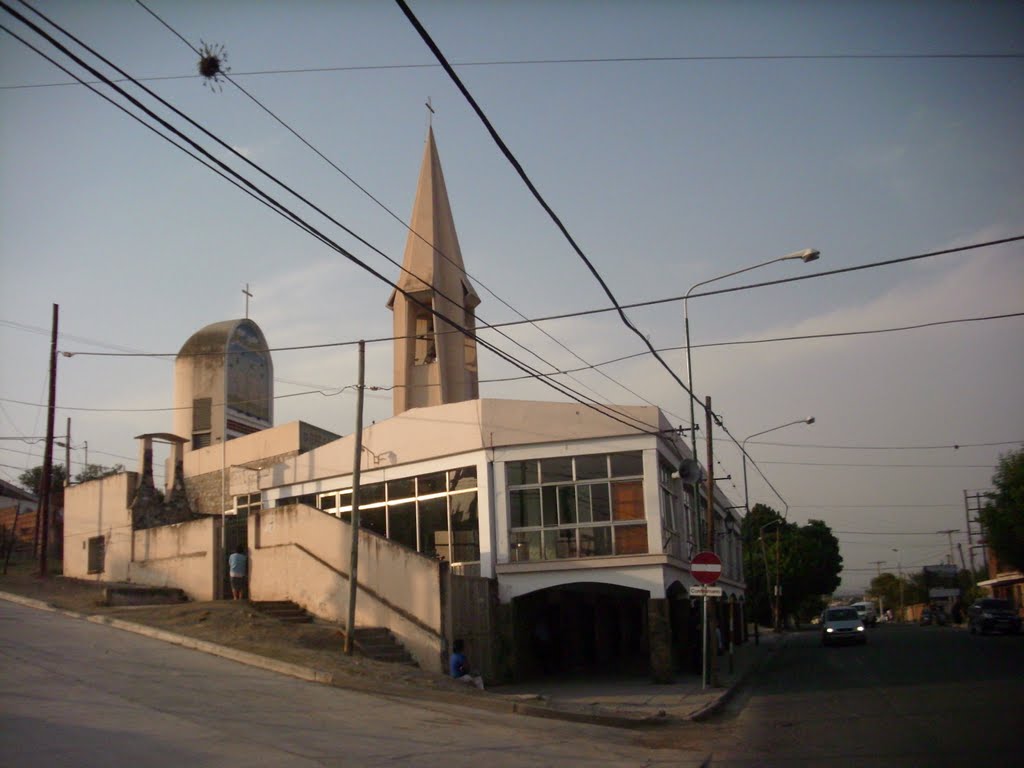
(706, 567)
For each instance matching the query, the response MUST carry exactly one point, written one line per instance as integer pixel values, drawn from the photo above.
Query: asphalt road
(73, 693)
(914, 696)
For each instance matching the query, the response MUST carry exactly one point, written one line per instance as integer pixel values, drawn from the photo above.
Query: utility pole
(949, 532)
(712, 624)
(48, 453)
(67, 454)
(353, 567)
(878, 572)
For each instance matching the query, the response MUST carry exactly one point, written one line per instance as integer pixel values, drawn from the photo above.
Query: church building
(546, 535)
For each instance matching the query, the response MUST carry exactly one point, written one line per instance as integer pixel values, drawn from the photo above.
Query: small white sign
(700, 590)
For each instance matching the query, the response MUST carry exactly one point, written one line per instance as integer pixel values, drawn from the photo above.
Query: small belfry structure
(435, 362)
(223, 384)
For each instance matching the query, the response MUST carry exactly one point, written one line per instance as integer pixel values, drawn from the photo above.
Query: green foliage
(97, 471)
(1003, 515)
(886, 588)
(31, 479)
(807, 556)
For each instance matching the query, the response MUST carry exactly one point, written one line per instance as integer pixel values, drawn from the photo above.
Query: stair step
(379, 644)
(284, 611)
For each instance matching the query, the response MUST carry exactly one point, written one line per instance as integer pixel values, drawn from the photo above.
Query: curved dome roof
(214, 337)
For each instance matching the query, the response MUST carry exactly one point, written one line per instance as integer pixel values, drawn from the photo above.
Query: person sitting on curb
(458, 666)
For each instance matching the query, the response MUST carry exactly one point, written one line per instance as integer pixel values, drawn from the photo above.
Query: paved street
(78, 694)
(914, 696)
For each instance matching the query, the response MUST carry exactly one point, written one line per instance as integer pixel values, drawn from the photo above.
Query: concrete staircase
(283, 610)
(379, 644)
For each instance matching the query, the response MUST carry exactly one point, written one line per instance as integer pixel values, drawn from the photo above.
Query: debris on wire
(213, 65)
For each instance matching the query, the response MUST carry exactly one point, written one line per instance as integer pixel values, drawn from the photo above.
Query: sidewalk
(632, 702)
(635, 701)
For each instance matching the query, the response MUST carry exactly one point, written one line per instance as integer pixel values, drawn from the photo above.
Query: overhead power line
(949, 56)
(406, 226)
(880, 466)
(604, 409)
(537, 195)
(954, 446)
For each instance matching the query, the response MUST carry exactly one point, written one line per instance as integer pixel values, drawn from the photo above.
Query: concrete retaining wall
(301, 554)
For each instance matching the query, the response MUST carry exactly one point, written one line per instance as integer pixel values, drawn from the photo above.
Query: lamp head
(807, 254)
(809, 420)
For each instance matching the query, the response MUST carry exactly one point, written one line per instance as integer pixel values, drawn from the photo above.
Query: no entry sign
(706, 567)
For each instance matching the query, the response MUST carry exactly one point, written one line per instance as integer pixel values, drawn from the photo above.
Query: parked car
(842, 625)
(992, 614)
(926, 617)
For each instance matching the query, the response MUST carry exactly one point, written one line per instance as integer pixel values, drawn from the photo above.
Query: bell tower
(434, 362)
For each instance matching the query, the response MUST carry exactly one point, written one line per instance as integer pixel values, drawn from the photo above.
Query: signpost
(706, 568)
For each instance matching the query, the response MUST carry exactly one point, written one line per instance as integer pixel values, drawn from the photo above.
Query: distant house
(17, 515)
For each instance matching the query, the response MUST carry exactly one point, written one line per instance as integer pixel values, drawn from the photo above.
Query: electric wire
(606, 410)
(398, 219)
(536, 194)
(567, 61)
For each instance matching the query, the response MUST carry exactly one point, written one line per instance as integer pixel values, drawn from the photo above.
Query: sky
(709, 137)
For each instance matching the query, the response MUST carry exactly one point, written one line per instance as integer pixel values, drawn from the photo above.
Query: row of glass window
(599, 466)
(576, 506)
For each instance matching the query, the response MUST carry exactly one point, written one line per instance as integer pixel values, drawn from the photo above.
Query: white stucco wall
(99, 508)
(181, 555)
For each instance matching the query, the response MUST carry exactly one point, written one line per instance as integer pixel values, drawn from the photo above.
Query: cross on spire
(248, 296)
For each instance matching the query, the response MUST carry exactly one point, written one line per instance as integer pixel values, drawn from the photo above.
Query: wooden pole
(44, 531)
(713, 622)
(353, 570)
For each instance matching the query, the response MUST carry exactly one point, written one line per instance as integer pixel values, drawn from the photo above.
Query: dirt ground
(234, 624)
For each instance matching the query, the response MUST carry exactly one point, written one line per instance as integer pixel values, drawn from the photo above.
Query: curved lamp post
(746, 505)
(808, 254)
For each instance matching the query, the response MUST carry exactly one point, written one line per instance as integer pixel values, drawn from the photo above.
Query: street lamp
(776, 597)
(808, 254)
(743, 450)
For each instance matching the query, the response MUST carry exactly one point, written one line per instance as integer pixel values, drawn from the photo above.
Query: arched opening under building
(582, 629)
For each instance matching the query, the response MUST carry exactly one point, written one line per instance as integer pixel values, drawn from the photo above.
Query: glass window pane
(462, 479)
(433, 520)
(521, 472)
(551, 544)
(402, 523)
(555, 470)
(565, 543)
(371, 520)
(550, 505)
(436, 482)
(371, 494)
(583, 503)
(628, 500)
(595, 542)
(600, 503)
(627, 464)
(566, 504)
(525, 546)
(403, 488)
(591, 467)
(328, 501)
(524, 508)
(465, 527)
(630, 539)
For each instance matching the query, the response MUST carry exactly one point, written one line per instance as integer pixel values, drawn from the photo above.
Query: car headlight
(860, 628)
(829, 629)
(986, 615)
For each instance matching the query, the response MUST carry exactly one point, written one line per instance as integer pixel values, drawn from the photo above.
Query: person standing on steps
(238, 567)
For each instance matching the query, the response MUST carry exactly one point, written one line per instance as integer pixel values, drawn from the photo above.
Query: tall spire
(431, 367)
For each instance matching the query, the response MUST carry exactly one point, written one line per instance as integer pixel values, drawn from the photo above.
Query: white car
(842, 625)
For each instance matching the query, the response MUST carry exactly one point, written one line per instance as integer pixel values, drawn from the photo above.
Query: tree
(886, 587)
(31, 479)
(97, 471)
(808, 557)
(1002, 517)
